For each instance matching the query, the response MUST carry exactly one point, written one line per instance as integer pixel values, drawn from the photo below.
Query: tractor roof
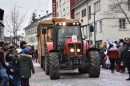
(49, 21)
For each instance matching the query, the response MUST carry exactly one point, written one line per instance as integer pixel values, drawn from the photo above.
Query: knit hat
(25, 50)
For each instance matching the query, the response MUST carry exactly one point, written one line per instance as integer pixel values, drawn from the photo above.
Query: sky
(25, 6)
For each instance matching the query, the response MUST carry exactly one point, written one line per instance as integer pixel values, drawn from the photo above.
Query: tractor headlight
(71, 50)
(78, 50)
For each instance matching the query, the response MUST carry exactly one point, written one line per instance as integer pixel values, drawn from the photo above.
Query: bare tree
(117, 7)
(14, 20)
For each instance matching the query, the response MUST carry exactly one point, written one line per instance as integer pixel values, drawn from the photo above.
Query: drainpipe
(88, 22)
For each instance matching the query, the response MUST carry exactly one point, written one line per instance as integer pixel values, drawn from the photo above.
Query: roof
(49, 21)
(77, 4)
(36, 22)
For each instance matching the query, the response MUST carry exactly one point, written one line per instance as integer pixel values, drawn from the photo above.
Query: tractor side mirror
(44, 30)
(91, 29)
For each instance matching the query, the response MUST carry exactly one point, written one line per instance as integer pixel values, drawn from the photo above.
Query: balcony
(78, 2)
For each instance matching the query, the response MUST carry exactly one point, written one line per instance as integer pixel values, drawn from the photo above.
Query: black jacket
(25, 66)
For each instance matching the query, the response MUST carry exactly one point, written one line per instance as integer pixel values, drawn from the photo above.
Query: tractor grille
(75, 47)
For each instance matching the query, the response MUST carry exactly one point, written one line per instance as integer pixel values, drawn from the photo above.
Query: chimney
(47, 12)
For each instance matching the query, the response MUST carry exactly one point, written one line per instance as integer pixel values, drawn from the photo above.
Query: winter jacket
(13, 74)
(3, 71)
(9, 56)
(113, 53)
(2, 61)
(25, 66)
(126, 52)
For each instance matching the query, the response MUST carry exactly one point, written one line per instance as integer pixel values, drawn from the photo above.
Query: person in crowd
(113, 54)
(31, 52)
(25, 66)
(9, 54)
(3, 49)
(13, 76)
(102, 56)
(3, 76)
(122, 66)
(126, 55)
(23, 44)
(36, 55)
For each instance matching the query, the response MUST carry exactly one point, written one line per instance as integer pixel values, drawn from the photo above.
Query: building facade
(31, 32)
(106, 28)
(1, 24)
(61, 8)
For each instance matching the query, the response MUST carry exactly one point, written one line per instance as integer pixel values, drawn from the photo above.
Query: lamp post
(94, 28)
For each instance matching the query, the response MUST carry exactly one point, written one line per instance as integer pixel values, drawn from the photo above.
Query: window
(59, 3)
(78, 1)
(89, 12)
(67, 0)
(97, 6)
(100, 26)
(57, 15)
(56, 4)
(63, 12)
(63, 1)
(95, 27)
(68, 10)
(84, 12)
(78, 15)
(128, 5)
(122, 23)
(60, 14)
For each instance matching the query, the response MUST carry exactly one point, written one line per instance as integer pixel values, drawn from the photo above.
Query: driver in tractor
(67, 33)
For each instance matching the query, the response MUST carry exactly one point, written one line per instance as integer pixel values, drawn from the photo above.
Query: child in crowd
(13, 76)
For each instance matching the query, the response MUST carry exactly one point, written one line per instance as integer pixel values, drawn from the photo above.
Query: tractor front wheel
(94, 69)
(54, 65)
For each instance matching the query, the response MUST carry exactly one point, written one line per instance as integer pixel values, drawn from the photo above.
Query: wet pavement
(73, 78)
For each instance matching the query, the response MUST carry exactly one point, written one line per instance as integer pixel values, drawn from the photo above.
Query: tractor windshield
(67, 32)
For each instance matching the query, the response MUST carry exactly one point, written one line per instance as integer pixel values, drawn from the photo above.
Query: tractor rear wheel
(54, 65)
(46, 62)
(94, 69)
(83, 70)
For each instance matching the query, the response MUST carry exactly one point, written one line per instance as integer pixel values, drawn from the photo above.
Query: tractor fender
(85, 46)
(49, 46)
(88, 50)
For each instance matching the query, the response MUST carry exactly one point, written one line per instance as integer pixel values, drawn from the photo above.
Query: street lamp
(94, 27)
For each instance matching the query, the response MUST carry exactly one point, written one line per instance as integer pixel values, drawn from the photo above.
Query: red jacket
(112, 53)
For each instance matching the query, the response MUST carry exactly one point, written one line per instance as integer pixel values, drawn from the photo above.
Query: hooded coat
(25, 66)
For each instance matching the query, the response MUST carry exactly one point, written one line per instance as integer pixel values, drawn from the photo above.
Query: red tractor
(66, 48)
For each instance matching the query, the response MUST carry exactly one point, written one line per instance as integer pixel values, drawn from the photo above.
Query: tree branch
(123, 11)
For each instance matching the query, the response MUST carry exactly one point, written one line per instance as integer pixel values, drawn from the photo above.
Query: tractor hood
(69, 41)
